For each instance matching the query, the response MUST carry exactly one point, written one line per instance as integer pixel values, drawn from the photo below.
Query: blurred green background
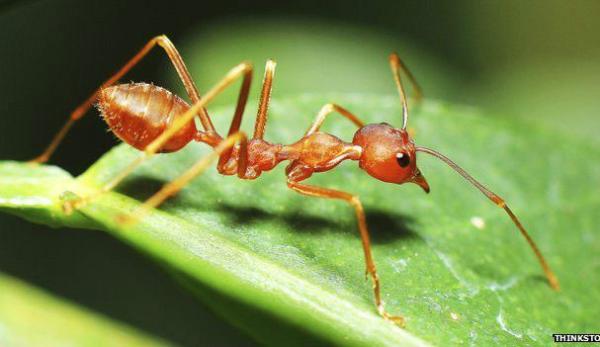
(536, 60)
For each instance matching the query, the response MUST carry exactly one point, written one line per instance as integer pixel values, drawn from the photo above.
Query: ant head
(388, 154)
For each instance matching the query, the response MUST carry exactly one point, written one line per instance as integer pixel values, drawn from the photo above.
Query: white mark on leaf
(478, 222)
(500, 287)
(26, 201)
(472, 338)
(472, 289)
(496, 287)
(399, 265)
(500, 320)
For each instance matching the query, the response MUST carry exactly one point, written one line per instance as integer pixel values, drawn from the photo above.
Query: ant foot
(398, 320)
(125, 219)
(132, 217)
(71, 202)
(38, 160)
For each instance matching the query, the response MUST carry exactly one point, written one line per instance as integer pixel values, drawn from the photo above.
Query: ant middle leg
(260, 122)
(184, 75)
(364, 235)
(265, 98)
(259, 125)
(242, 69)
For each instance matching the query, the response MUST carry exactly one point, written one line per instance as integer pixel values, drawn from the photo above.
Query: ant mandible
(154, 120)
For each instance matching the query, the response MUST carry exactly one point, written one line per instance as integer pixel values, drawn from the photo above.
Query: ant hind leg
(184, 75)
(240, 70)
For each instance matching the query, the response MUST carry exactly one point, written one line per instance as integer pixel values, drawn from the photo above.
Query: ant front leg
(398, 66)
(184, 75)
(364, 235)
(327, 110)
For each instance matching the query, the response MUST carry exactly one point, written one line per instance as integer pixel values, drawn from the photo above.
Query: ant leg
(260, 123)
(364, 234)
(327, 110)
(177, 184)
(236, 123)
(397, 66)
(233, 74)
(265, 97)
(180, 67)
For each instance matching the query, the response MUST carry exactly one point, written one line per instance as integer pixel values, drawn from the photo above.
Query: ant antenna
(501, 203)
(397, 65)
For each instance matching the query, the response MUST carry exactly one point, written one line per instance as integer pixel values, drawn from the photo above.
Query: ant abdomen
(138, 113)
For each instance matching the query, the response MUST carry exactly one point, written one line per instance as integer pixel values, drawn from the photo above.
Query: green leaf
(524, 91)
(311, 55)
(289, 269)
(30, 317)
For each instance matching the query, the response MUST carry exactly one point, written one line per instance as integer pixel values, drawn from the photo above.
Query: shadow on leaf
(384, 226)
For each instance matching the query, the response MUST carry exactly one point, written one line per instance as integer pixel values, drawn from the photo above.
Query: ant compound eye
(403, 159)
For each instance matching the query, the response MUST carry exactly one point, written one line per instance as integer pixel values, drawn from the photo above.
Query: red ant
(154, 120)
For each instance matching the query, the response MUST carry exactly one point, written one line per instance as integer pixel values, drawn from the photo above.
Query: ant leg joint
(247, 66)
(355, 201)
(499, 201)
(163, 41)
(329, 107)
